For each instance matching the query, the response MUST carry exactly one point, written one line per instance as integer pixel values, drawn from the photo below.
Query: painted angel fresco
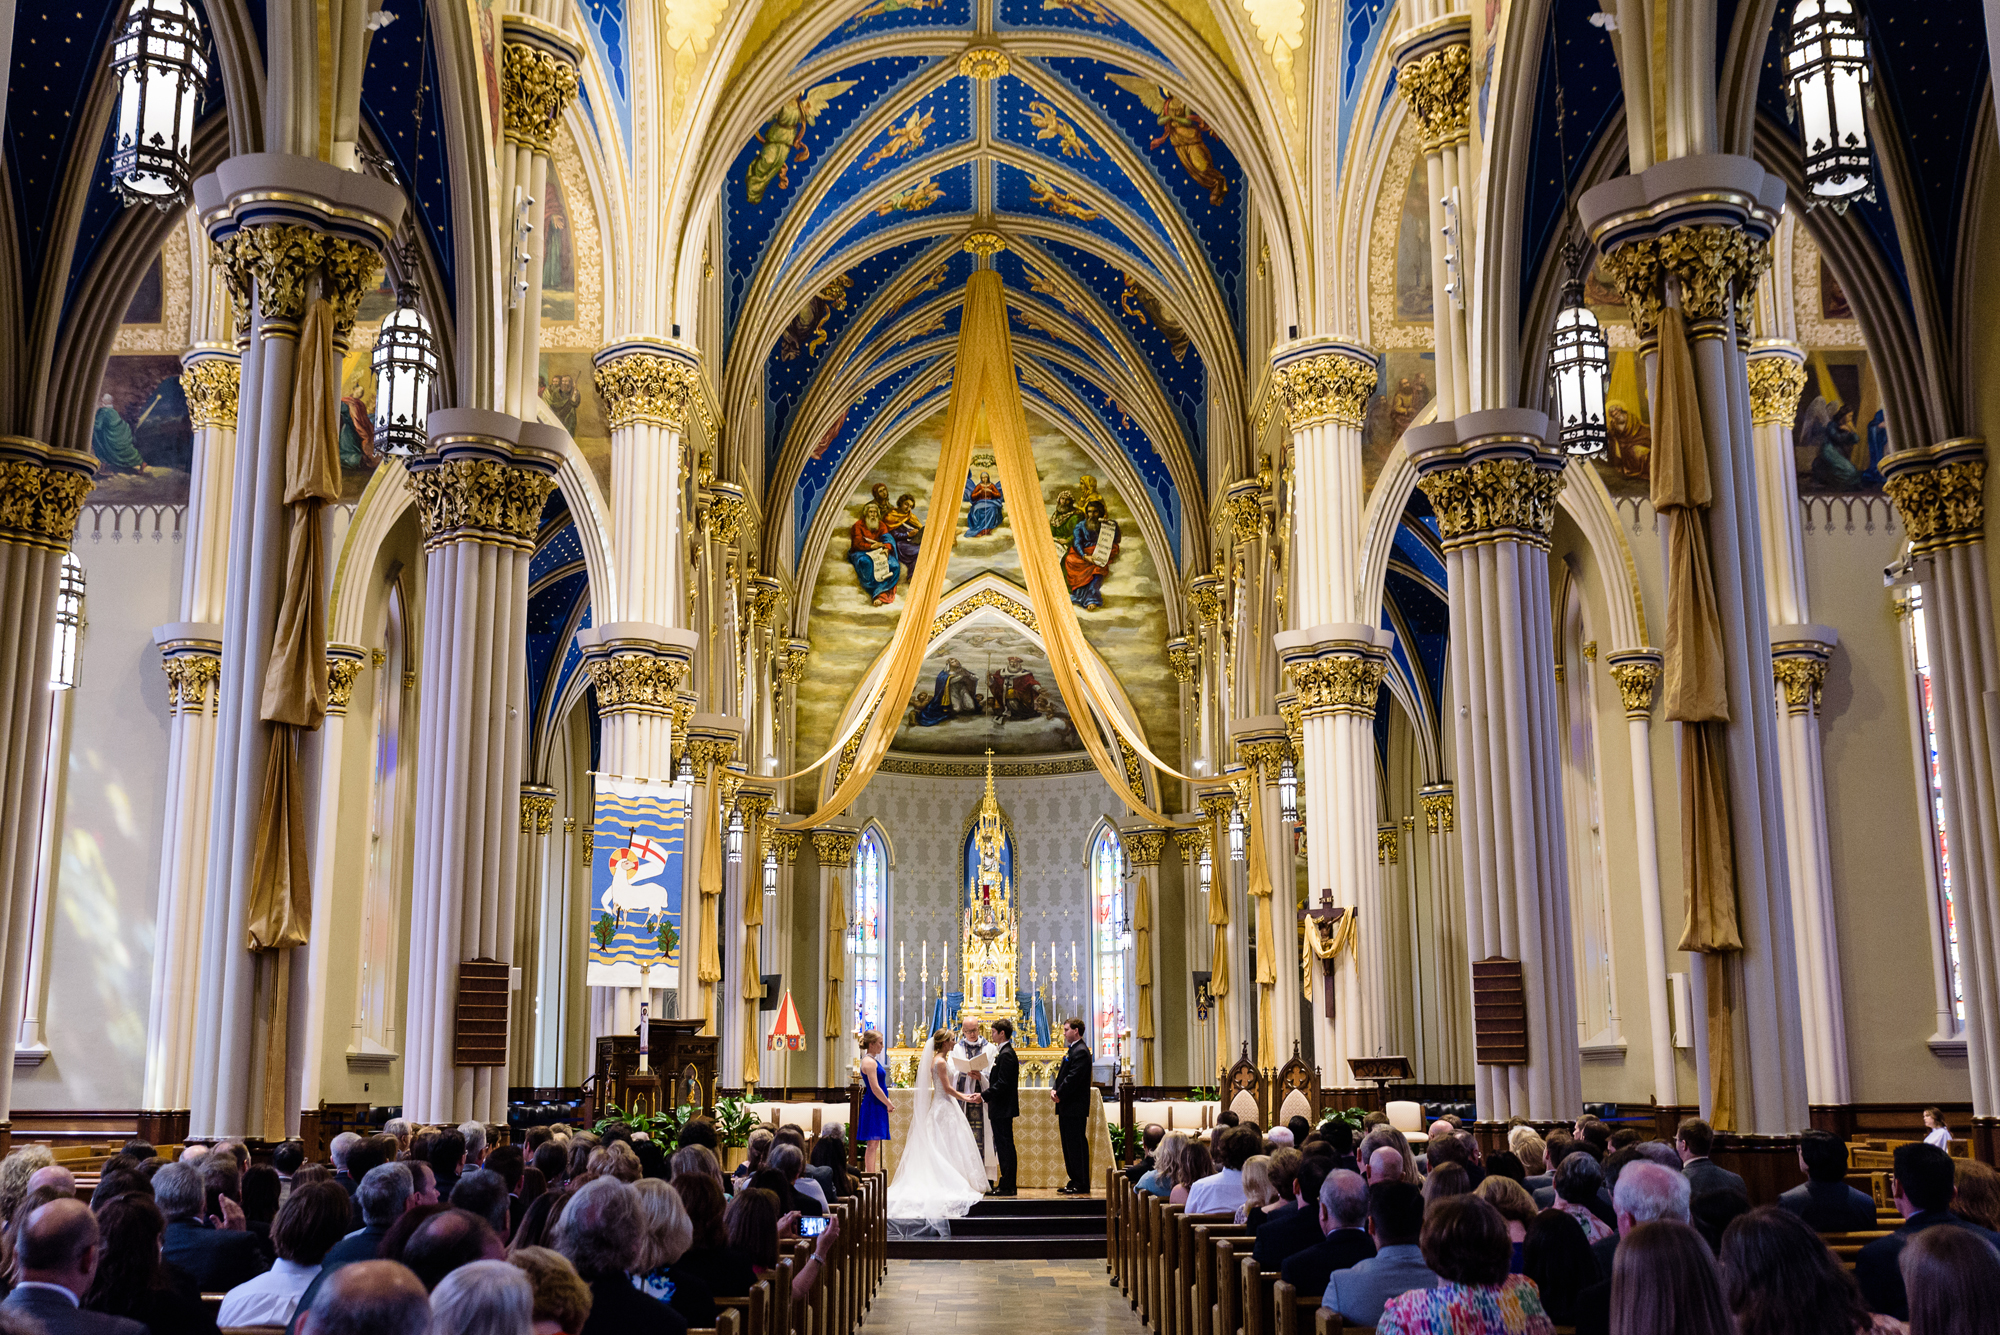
(1050, 125)
(1057, 200)
(1083, 9)
(1182, 128)
(881, 7)
(904, 139)
(784, 138)
(914, 199)
(1141, 305)
(806, 334)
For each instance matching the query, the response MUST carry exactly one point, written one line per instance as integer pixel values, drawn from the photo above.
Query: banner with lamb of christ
(637, 866)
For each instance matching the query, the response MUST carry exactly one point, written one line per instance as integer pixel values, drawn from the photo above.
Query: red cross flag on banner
(787, 1033)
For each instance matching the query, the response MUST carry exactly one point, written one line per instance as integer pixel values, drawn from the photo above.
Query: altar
(1037, 1139)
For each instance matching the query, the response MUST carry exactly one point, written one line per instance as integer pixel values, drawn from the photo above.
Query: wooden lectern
(683, 1061)
(1379, 1071)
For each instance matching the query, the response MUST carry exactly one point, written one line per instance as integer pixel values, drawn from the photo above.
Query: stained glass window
(871, 880)
(1107, 887)
(1934, 785)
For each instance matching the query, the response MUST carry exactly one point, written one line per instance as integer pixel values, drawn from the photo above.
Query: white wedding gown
(941, 1173)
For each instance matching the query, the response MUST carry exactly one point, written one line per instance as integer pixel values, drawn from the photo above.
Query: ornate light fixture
(735, 835)
(1204, 870)
(1236, 834)
(1579, 368)
(69, 622)
(770, 872)
(1288, 790)
(684, 772)
(1827, 93)
(405, 363)
(160, 63)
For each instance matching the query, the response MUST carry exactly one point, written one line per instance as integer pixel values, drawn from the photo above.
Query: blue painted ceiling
(558, 607)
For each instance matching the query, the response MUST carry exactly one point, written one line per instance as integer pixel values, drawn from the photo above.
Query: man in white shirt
(58, 1256)
(1221, 1193)
(311, 1222)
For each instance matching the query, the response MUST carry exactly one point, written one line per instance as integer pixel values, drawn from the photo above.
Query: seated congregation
(1594, 1229)
(422, 1230)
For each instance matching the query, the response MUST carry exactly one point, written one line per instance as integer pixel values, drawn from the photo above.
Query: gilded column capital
(1940, 492)
(636, 683)
(765, 594)
(1438, 87)
(1292, 710)
(352, 270)
(725, 513)
(272, 262)
(190, 676)
(1777, 376)
(1388, 845)
(786, 842)
(1638, 273)
(1324, 381)
(536, 86)
(538, 809)
(1265, 757)
(211, 377)
(653, 382)
(1205, 597)
(1711, 261)
(1801, 677)
(706, 751)
(1146, 845)
(1182, 659)
(1337, 684)
(1495, 500)
(1216, 803)
(342, 668)
(1193, 841)
(1436, 801)
(1637, 672)
(790, 662)
(479, 500)
(835, 846)
(42, 489)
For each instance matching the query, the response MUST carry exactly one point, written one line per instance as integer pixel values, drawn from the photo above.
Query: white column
(538, 64)
(344, 663)
(1262, 743)
(1203, 1060)
(1444, 943)
(480, 491)
(1637, 672)
(42, 487)
(1493, 481)
(1434, 72)
(834, 846)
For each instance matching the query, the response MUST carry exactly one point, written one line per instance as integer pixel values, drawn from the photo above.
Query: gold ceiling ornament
(984, 62)
(1494, 499)
(1941, 504)
(1145, 847)
(1776, 382)
(538, 809)
(1328, 387)
(341, 671)
(985, 244)
(353, 269)
(1437, 805)
(479, 500)
(965, 607)
(1388, 847)
(535, 88)
(1636, 681)
(835, 848)
(188, 678)
(1338, 683)
(646, 387)
(40, 500)
(636, 683)
(210, 385)
(1802, 677)
(1439, 89)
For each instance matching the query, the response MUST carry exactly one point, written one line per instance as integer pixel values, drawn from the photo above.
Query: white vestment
(968, 1076)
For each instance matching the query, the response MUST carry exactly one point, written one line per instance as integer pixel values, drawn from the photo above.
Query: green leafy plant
(1200, 1093)
(1351, 1116)
(1117, 1140)
(733, 1121)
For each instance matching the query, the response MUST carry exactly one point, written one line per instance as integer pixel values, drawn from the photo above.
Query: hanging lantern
(1288, 789)
(405, 365)
(1579, 370)
(770, 873)
(1204, 870)
(735, 835)
(1827, 94)
(160, 64)
(684, 772)
(1236, 834)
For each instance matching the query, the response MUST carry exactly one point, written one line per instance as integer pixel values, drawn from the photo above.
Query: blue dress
(874, 1112)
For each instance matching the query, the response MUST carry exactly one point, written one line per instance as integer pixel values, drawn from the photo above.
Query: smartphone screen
(811, 1226)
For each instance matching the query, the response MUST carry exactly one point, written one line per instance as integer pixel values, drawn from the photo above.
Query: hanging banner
(638, 862)
(787, 1034)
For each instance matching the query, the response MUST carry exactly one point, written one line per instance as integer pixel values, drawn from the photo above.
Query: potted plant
(733, 1122)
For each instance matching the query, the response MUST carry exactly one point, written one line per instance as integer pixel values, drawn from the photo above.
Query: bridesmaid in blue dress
(874, 1102)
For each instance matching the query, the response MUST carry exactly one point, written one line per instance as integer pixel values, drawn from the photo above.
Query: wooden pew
(1256, 1296)
(1212, 1272)
(1159, 1260)
(726, 1323)
(1226, 1312)
(1181, 1311)
(1847, 1246)
(1290, 1308)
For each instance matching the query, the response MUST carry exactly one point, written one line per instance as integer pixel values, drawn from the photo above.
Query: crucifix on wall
(1326, 930)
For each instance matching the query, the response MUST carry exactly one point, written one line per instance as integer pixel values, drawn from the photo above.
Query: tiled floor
(999, 1298)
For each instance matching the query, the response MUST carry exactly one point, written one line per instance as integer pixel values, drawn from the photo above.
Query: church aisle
(998, 1297)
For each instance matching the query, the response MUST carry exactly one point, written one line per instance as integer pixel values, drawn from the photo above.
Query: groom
(1003, 1103)
(1071, 1093)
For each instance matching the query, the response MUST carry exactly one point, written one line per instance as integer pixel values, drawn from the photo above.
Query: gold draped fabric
(1142, 976)
(836, 955)
(1218, 955)
(1695, 694)
(1267, 945)
(708, 969)
(1325, 943)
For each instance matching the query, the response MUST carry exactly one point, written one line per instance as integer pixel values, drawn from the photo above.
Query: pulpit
(683, 1068)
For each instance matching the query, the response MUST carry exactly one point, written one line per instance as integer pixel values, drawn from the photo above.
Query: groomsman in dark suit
(1071, 1093)
(1003, 1103)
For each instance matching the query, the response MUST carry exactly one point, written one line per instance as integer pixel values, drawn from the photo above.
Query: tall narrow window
(1930, 784)
(871, 881)
(1107, 893)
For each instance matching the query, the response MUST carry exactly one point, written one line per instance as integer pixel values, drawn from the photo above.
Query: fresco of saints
(1181, 128)
(906, 529)
(784, 139)
(1631, 451)
(563, 400)
(1062, 519)
(1825, 443)
(1093, 545)
(956, 692)
(873, 554)
(983, 511)
(1013, 690)
(111, 441)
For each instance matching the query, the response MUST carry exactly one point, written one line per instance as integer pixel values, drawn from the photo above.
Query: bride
(941, 1173)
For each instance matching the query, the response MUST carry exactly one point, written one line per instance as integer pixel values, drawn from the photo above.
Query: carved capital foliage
(1437, 806)
(538, 812)
(1388, 846)
(1494, 499)
(189, 677)
(1337, 683)
(835, 847)
(636, 683)
(1439, 89)
(1943, 505)
(1330, 387)
(1801, 678)
(1216, 803)
(39, 503)
(1244, 506)
(535, 87)
(1636, 682)
(275, 263)
(726, 513)
(479, 500)
(340, 675)
(1636, 271)
(790, 665)
(706, 751)
(1145, 847)
(1205, 598)
(786, 842)
(1182, 659)
(1294, 714)
(646, 387)
(353, 270)
(765, 594)
(1710, 259)
(1193, 841)
(211, 386)
(1775, 386)
(1265, 758)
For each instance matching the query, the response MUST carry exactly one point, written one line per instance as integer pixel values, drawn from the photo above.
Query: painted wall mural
(870, 555)
(1405, 386)
(567, 386)
(140, 433)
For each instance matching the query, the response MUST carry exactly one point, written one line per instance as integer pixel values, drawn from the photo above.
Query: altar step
(1021, 1228)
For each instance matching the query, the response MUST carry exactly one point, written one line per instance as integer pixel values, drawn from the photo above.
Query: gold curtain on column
(708, 969)
(1695, 694)
(1218, 959)
(1142, 976)
(836, 955)
(1260, 895)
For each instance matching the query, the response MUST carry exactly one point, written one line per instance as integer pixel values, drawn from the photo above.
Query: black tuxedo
(1072, 1091)
(1003, 1105)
